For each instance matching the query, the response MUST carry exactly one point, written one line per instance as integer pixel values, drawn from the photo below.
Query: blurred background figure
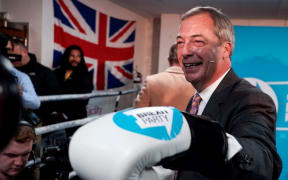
(43, 78)
(44, 82)
(74, 78)
(168, 88)
(15, 155)
(30, 99)
(10, 105)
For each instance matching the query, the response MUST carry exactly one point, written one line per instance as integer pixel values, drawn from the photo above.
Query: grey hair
(223, 27)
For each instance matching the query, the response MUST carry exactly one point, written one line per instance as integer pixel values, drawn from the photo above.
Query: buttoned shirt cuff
(233, 146)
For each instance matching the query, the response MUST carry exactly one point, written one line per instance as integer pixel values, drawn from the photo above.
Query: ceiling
(240, 9)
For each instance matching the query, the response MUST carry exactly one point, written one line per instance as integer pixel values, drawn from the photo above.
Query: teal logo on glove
(163, 123)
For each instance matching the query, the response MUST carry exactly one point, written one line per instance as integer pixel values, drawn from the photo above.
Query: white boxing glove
(122, 145)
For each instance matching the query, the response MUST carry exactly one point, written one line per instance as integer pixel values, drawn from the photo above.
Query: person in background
(43, 78)
(30, 99)
(10, 104)
(15, 155)
(74, 78)
(168, 88)
(45, 83)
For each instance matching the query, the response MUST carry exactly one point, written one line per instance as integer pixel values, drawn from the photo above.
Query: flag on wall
(107, 42)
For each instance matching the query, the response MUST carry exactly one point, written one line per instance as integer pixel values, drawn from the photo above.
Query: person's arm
(29, 97)
(253, 125)
(138, 139)
(251, 120)
(143, 97)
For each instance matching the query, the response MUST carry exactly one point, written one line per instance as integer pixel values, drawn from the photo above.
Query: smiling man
(247, 115)
(203, 55)
(227, 133)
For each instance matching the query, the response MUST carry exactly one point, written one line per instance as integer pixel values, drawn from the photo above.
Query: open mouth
(191, 64)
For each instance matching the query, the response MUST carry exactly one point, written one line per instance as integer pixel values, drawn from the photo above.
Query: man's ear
(227, 49)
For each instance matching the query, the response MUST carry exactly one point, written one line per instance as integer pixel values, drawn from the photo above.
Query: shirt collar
(206, 93)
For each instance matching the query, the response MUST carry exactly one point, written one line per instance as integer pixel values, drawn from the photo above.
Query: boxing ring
(98, 94)
(117, 100)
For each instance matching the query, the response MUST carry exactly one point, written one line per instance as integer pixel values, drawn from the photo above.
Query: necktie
(194, 109)
(195, 104)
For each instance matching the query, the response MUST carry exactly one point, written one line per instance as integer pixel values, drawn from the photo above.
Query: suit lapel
(213, 107)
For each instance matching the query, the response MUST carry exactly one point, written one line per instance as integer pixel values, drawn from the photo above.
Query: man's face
(75, 57)
(199, 50)
(9, 46)
(14, 157)
(16, 49)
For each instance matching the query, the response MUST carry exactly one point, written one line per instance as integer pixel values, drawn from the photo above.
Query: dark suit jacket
(249, 115)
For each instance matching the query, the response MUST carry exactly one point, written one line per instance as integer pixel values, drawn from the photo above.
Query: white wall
(1, 5)
(169, 28)
(27, 11)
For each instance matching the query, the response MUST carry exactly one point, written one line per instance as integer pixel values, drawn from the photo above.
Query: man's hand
(127, 144)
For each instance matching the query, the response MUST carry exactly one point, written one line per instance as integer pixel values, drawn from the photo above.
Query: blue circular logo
(163, 123)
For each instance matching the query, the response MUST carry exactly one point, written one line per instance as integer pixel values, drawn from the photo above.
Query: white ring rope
(64, 125)
(88, 95)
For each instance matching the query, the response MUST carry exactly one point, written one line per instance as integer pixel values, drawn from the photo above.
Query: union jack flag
(107, 42)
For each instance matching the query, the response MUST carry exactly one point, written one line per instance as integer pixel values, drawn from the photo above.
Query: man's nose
(19, 161)
(187, 50)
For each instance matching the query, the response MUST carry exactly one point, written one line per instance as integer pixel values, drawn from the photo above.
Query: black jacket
(43, 78)
(250, 116)
(45, 83)
(79, 82)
